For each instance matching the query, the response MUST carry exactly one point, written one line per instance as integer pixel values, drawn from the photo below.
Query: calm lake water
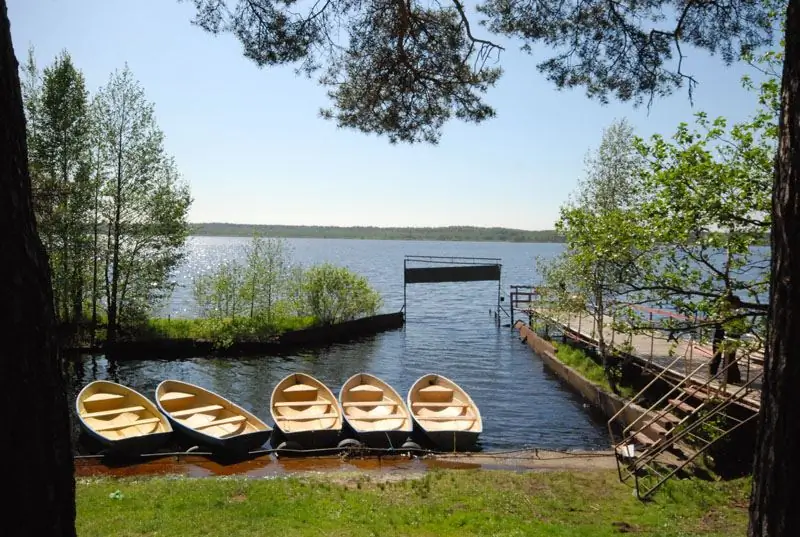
(449, 330)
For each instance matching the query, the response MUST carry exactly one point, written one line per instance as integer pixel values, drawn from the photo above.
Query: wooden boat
(306, 414)
(210, 419)
(445, 413)
(120, 418)
(375, 411)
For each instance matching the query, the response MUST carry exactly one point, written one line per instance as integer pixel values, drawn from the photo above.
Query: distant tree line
(110, 205)
(450, 233)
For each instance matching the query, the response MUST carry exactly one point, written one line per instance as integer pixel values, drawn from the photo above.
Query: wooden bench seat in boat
(309, 417)
(197, 410)
(436, 404)
(174, 396)
(112, 412)
(448, 418)
(303, 403)
(125, 425)
(294, 388)
(365, 388)
(232, 419)
(435, 388)
(369, 403)
(367, 417)
(102, 396)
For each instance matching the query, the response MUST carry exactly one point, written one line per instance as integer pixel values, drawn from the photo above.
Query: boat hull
(451, 440)
(327, 439)
(383, 439)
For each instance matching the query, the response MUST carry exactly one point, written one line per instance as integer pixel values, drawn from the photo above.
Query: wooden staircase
(682, 425)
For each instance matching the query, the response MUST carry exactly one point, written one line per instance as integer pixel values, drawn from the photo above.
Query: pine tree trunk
(773, 509)
(39, 471)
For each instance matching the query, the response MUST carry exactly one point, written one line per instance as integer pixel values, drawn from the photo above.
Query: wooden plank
(303, 403)
(680, 405)
(102, 396)
(435, 388)
(442, 405)
(377, 418)
(113, 412)
(309, 417)
(232, 419)
(447, 418)
(174, 396)
(365, 388)
(369, 403)
(198, 410)
(115, 426)
(300, 388)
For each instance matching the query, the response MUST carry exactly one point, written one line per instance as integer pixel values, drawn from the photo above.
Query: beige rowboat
(305, 412)
(121, 418)
(445, 413)
(375, 411)
(210, 419)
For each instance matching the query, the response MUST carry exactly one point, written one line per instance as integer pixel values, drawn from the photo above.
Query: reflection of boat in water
(210, 419)
(445, 413)
(306, 414)
(375, 411)
(120, 418)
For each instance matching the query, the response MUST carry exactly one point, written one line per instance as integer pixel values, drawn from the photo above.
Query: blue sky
(251, 144)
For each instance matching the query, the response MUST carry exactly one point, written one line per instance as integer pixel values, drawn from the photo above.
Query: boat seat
(115, 426)
(447, 418)
(444, 404)
(365, 388)
(303, 403)
(102, 396)
(232, 419)
(112, 412)
(300, 388)
(369, 403)
(309, 417)
(377, 418)
(435, 388)
(173, 396)
(197, 410)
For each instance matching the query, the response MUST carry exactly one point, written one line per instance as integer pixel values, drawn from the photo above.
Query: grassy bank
(442, 503)
(221, 330)
(578, 360)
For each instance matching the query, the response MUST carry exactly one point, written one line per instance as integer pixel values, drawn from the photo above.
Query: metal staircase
(673, 431)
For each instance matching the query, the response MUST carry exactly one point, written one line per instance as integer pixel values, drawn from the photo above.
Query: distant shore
(451, 233)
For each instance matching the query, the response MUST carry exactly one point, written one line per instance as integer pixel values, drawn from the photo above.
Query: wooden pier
(652, 349)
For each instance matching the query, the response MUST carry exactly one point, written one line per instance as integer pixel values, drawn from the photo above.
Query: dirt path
(387, 467)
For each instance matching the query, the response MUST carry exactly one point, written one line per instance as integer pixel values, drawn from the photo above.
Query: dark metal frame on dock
(455, 269)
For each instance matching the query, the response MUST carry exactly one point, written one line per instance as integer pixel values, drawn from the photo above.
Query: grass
(442, 503)
(580, 361)
(222, 330)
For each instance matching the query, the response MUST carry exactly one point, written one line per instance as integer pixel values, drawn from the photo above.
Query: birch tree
(145, 202)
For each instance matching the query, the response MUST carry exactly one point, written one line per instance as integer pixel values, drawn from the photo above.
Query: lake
(449, 330)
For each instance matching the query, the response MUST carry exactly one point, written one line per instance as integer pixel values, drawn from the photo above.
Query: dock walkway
(654, 350)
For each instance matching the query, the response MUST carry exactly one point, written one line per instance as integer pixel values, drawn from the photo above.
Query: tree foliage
(99, 168)
(403, 68)
(264, 284)
(144, 201)
(58, 119)
(602, 240)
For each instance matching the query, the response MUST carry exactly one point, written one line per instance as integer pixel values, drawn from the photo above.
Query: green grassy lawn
(442, 503)
(578, 360)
